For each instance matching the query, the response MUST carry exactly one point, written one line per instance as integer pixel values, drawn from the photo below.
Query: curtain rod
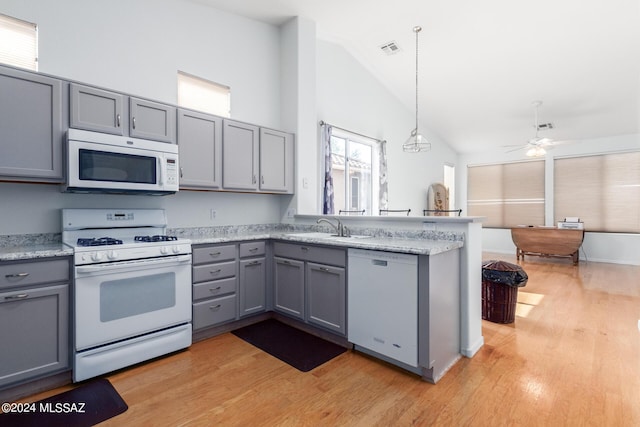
(322, 123)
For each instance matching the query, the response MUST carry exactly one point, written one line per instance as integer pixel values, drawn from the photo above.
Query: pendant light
(416, 142)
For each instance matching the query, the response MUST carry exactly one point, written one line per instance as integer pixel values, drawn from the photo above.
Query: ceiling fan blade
(519, 147)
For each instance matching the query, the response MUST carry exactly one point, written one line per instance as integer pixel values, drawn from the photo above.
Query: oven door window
(116, 167)
(130, 297)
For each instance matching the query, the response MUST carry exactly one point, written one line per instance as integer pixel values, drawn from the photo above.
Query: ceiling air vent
(390, 48)
(545, 126)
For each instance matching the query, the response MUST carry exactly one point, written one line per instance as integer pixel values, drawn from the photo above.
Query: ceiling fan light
(536, 152)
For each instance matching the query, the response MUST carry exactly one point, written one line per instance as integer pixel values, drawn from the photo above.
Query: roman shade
(19, 45)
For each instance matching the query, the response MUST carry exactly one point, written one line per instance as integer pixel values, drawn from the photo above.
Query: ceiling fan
(537, 145)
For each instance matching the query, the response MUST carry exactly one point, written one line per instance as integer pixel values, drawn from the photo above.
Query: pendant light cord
(416, 30)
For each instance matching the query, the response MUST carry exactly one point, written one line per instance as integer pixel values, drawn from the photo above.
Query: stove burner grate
(102, 241)
(156, 238)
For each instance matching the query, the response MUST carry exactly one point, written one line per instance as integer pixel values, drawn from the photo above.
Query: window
(507, 194)
(19, 45)
(354, 175)
(602, 190)
(203, 95)
(450, 184)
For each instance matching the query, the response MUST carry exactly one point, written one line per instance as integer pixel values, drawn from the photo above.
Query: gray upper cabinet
(31, 130)
(100, 110)
(276, 161)
(151, 120)
(240, 156)
(200, 143)
(96, 109)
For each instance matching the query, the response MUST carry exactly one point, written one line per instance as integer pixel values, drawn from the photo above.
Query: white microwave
(104, 163)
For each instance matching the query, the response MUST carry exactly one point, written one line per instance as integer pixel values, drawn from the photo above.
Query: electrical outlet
(429, 226)
(212, 214)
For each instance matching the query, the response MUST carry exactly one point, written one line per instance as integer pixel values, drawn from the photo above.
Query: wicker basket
(500, 295)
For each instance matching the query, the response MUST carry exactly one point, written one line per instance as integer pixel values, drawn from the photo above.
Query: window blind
(19, 45)
(203, 95)
(507, 194)
(602, 190)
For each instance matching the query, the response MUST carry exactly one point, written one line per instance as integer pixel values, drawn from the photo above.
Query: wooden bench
(547, 242)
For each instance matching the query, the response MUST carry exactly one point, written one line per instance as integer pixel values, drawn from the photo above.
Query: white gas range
(132, 299)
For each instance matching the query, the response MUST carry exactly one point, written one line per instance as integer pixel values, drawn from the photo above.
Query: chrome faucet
(341, 230)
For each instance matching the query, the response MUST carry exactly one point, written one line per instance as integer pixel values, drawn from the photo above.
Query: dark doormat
(299, 349)
(86, 405)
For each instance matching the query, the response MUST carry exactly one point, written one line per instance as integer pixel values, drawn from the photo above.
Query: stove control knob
(164, 250)
(97, 256)
(176, 249)
(112, 255)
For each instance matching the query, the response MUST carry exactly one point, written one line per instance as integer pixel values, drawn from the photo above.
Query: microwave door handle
(160, 175)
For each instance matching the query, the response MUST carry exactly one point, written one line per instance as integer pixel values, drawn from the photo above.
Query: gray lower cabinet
(253, 278)
(105, 111)
(276, 161)
(31, 126)
(288, 286)
(34, 312)
(310, 284)
(200, 143)
(215, 284)
(326, 296)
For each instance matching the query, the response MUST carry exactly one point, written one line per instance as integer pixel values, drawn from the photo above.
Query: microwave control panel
(172, 171)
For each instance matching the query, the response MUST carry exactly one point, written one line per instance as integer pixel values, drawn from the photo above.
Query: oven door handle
(128, 265)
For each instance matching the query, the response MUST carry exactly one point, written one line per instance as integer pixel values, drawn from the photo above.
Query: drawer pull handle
(19, 296)
(215, 289)
(11, 276)
(214, 253)
(254, 263)
(286, 262)
(324, 269)
(304, 248)
(215, 271)
(253, 249)
(214, 307)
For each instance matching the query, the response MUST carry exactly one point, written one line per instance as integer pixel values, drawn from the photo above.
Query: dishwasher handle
(379, 262)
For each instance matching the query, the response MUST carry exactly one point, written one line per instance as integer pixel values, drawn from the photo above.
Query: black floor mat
(299, 349)
(86, 405)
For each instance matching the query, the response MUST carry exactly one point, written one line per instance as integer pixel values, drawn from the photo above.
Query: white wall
(350, 97)
(137, 47)
(603, 247)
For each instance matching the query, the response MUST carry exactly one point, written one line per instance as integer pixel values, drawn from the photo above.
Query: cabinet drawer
(319, 254)
(31, 273)
(205, 273)
(211, 312)
(251, 249)
(213, 254)
(214, 288)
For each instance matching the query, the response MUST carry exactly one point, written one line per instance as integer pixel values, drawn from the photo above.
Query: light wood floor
(570, 359)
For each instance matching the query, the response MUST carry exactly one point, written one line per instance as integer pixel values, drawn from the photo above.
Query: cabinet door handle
(181, 172)
(286, 262)
(117, 120)
(133, 122)
(214, 307)
(253, 180)
(215, 271)
(324, 269)
(19, 296)
(13, 276)
(254, 263)
(262, 179)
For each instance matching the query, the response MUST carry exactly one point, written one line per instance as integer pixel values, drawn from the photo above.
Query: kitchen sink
(319, 235)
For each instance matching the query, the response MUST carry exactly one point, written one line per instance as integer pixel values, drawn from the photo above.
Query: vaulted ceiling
(483, 63)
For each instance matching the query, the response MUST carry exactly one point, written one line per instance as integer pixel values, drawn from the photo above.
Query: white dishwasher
(383, 303)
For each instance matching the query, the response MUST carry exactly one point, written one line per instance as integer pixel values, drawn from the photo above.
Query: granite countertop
(420, 243)
(391, 244)
(31, 251)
